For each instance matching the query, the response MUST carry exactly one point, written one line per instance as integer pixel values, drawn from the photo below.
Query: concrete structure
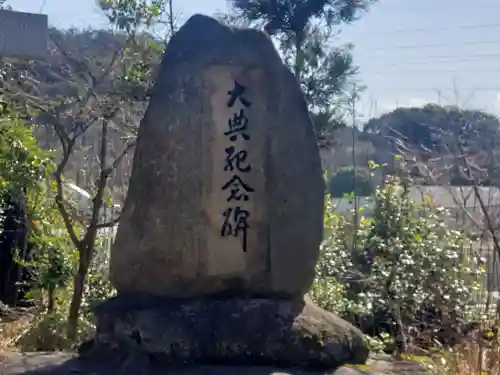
(23, 35)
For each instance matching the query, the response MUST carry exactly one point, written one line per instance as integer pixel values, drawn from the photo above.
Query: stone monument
(220, 231)
(226, 195)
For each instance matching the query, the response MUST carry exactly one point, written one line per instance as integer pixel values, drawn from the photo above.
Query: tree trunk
(51, 297)
(299, 57)
(78, 288)
(171, 17)
(400, 336)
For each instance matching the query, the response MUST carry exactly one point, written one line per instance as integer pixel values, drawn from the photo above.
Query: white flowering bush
(399, 271)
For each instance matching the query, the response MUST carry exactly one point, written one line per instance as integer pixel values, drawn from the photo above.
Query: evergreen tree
(304, 30)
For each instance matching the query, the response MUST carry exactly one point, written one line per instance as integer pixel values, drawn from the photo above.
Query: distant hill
(435, 135)
(437, 130)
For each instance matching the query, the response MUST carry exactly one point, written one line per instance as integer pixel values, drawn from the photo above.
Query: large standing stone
(226, 193)
(221, 228)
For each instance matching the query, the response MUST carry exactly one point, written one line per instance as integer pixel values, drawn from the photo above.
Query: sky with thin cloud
(408, 52)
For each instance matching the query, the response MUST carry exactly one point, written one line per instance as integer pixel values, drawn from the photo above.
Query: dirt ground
(69, 364)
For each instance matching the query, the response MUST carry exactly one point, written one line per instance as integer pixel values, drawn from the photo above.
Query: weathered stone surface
(69, 364)
(169, 241)
(231, 331)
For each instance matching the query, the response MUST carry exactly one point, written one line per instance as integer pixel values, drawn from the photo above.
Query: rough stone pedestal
(235, 331)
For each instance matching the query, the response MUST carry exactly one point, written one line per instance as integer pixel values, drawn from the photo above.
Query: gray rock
(243, 332)
(172, 240)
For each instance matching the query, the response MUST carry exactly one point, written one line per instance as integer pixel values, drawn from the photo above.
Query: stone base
(242, 332)
(69, 364)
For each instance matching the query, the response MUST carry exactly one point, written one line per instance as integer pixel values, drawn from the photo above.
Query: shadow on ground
(69, 364)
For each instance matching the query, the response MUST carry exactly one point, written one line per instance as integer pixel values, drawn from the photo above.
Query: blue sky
(409, 51)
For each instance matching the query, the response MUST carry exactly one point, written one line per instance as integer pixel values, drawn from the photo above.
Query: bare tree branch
(109, 224)
(60, 200)
(76, 63)
(120, 157)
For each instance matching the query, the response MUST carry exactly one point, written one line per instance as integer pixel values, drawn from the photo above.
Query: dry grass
(13, 330)
(469, 359)
(475, 354)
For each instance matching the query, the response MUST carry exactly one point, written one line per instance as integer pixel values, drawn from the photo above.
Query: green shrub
(345, 181)
(25, 173)
(390, 269)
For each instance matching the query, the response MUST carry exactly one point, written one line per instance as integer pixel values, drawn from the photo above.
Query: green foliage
(327, 80)
(141, 57)
(47, 335)
(346, 181)
(55, 257)
(438, 138)
(142, 51)
(50, 331)
(23, 164)
(396, 264)
(129, 15)
(380, 343)
(438, 129)
(93, 78)
(284, 16)
(25, 175)
(421, 261)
